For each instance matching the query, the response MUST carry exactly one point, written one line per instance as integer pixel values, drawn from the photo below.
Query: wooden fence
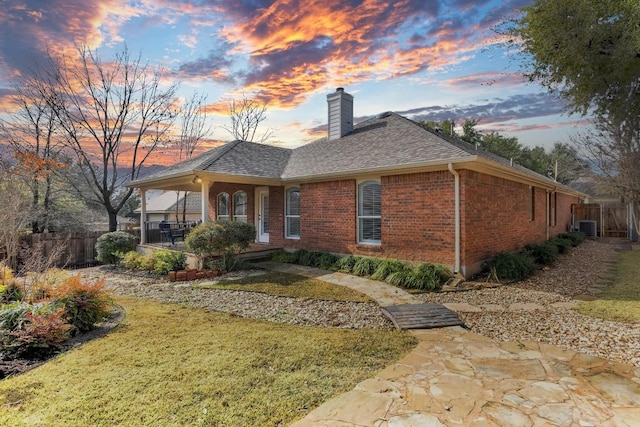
(611, 218)
(79, 249)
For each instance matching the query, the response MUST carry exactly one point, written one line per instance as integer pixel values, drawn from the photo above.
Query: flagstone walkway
(456, 377)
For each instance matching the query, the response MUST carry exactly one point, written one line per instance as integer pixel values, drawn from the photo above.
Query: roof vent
(340, 113)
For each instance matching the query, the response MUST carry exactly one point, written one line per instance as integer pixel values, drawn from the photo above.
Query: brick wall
(418, 217)
(497, 217)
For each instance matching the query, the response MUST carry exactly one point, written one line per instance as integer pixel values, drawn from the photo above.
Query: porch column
(143, 217)
(204, 197)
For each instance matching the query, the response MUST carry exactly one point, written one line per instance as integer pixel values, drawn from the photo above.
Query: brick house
(386, 187)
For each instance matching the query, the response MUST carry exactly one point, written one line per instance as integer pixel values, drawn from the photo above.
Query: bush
(305, 257)
(512, 266)
(40, 335)
(165, 261)
(6, 273)
(346, 264)
(32, 330)
(576, 237)
(562, 245)
(327, 261)
(11, 292)
(366, 266)
(84, 304)
(389, 266)
(543, 253)
(283, 257)
(224, 238)
(111, 246)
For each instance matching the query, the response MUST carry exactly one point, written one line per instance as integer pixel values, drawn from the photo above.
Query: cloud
(516, 107)
(485, 79)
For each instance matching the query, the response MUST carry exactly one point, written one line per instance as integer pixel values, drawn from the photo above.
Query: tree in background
(588, 52)
(113, 116)
(246, 116)
(15, 213)
(34, 136)
(194, 127)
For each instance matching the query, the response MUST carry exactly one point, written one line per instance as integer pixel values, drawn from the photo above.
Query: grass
(621, 301)
(171, 365)
(290, 285)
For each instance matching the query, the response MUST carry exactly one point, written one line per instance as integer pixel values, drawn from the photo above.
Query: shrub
(84, 304)
(389, 266)
(6, 273)
(110, 246)
(576, 237)
(132, 260)
(41, 333)
(426, 277)
(224, 238)
(563, 245)
(512, 265)
(327, 261)
(365, 266)
(304, 257)
(11, 292)
(283, 257)
(543, 253)
(346, 264)
(165, 261)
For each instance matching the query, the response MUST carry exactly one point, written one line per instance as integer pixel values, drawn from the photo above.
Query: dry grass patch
(290, 285)
(621, 301)
(172, 365)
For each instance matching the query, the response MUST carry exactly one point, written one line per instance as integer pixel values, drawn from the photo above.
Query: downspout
(456, 177)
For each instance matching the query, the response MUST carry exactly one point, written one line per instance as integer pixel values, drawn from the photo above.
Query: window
(553, 204)
(532, 205)
(369, 212)
(222, 208)
(292, 213)
(240, 206)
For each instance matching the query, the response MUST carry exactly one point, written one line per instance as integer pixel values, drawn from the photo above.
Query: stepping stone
(421, 316)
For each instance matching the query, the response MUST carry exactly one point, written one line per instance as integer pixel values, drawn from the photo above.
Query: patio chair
(165, 231)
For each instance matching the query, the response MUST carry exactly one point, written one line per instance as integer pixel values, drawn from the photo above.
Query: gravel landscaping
(255, 305)
(580, 273)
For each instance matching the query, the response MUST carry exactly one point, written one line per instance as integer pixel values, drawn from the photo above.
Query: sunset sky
(426, 59)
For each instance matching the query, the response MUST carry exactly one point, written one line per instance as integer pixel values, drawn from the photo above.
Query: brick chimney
(340, 114)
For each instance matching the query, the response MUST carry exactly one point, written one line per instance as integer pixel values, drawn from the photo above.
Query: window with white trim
(292, 213)
(369, 212)
(222, 207)
(240, 206)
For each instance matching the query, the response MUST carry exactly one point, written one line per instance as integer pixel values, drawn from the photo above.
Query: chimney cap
(340, 89)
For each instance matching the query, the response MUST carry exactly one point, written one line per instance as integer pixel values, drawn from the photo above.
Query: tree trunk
(113, 221)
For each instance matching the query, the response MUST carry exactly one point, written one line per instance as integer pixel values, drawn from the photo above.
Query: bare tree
(194, 128)
(32, 132)
(246, 115)
(114, 115)
(615, 151)
(14, 215)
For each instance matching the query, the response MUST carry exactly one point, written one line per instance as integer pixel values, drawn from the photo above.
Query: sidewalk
(455, 377)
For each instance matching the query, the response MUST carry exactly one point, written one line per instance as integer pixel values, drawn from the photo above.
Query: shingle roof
(388, 140)
(235, 158)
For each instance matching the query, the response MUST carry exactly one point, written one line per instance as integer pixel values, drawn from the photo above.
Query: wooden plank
(421, 316)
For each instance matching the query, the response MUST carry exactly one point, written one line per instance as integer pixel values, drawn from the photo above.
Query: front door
(263, 216)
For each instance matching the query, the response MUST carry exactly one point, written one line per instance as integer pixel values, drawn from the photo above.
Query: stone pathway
(455, 377)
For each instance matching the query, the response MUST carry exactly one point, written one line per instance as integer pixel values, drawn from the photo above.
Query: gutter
(456, 268)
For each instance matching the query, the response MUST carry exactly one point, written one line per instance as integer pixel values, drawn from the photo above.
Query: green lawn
(172, 365)
(290, 285)
(621, 301)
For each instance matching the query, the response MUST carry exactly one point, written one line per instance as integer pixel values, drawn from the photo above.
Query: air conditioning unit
(589, 228)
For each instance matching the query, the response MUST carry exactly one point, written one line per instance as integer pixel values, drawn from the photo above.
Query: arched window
(240, 206)
(222, 207)
(369, 212)
(292, 213)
